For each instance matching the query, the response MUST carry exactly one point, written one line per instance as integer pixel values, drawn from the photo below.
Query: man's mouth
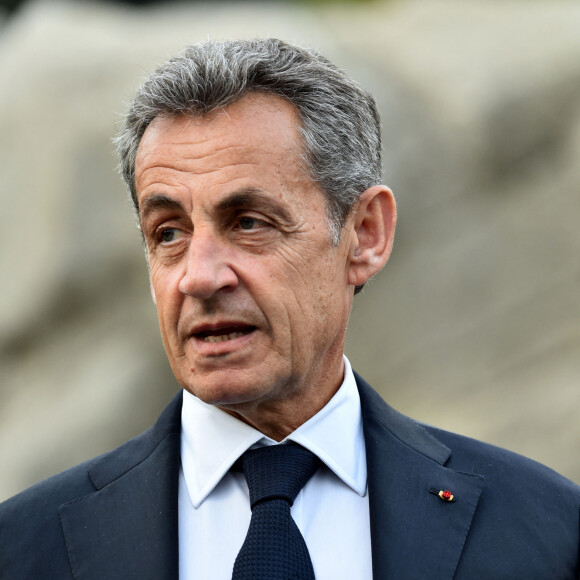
(223, 334)
(222, 337)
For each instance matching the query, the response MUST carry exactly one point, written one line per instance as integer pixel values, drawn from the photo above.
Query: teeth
(222, 337)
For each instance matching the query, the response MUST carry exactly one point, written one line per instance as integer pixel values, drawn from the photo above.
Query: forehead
(255, 127)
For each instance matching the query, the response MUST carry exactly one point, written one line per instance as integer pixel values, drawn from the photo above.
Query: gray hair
(340, 121)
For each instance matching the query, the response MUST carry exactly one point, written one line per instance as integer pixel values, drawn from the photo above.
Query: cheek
(164, 280)
(307, 287)
(167, 298)
(326, 298)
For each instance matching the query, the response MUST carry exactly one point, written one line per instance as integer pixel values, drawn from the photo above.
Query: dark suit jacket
(115, 517)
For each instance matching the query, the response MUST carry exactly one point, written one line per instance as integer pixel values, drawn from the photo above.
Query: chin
(224, 394)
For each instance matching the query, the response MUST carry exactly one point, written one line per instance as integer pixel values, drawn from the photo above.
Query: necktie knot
(277, 472)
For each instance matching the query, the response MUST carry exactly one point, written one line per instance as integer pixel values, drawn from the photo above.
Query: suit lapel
(414, 533)
(128, 527)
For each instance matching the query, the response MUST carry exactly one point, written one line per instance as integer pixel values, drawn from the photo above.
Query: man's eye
(169, 235)
(248, 223)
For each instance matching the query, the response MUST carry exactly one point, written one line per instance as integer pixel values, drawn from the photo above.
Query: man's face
(252, 296)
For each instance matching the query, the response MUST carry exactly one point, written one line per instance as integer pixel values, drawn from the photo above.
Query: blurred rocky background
(474, 324)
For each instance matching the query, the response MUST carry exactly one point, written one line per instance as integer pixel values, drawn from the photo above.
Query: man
(255, 171)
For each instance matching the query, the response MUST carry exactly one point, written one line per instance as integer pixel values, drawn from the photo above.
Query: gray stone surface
(473, 326)
(480, 305)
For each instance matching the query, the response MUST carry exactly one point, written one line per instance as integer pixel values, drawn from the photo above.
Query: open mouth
(223, 334)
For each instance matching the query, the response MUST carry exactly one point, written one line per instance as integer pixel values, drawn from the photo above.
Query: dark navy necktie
(274, 548)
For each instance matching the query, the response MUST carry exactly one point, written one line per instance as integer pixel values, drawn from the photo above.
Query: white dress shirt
(332, 511)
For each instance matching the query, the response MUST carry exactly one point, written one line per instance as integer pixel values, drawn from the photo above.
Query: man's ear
(374, 221)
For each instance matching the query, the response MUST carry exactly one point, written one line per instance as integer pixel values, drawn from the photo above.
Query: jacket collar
(414, 533)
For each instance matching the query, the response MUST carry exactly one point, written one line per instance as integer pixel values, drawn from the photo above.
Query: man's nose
(208, 267)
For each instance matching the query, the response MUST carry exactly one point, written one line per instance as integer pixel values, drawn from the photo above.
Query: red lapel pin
(444, 494)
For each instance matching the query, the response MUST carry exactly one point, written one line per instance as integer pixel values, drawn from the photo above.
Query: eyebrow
(251, 197)
(157, 202)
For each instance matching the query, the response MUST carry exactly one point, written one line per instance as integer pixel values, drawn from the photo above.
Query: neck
(279, 418)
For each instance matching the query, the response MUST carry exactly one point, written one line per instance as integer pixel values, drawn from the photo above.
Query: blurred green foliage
(9, 6)
(338, 1)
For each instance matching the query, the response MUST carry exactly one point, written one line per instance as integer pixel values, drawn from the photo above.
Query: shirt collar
(212, 440)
